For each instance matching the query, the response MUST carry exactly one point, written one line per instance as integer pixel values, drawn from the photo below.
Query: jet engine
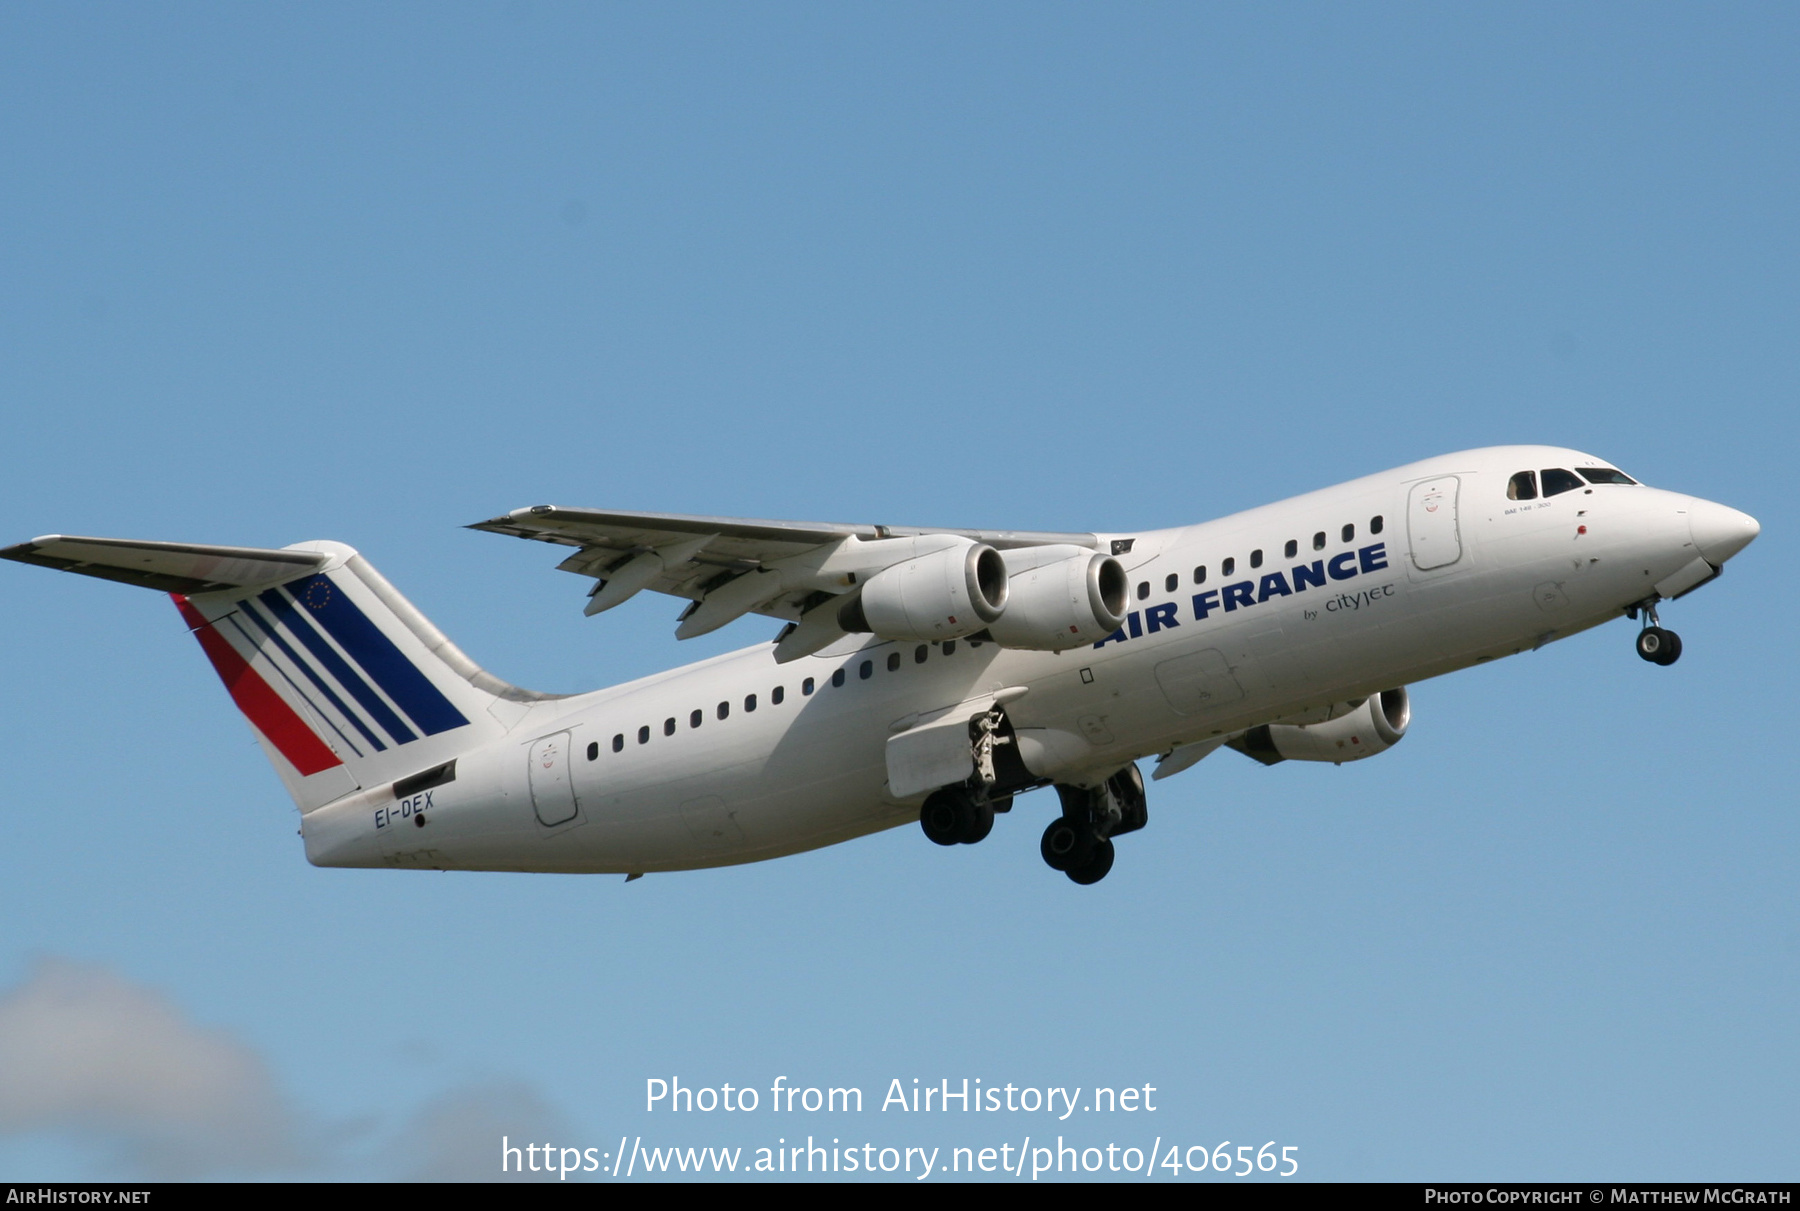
(1355, 730)
(954, 591)
(1060, 597)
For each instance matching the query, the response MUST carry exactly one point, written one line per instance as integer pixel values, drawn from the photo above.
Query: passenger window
(868, 667)
(724, 709)
(1319, 541)
(1522, 486)
(619, 743)
(893, 662)
(749, 703)
(837, 678)
(1143, 589)
(1375, 524)
(1256, 558)
(1350, 533)
(920, 652)
(1605, 475)
(1171, 582)
(1558, 481)
(593, 750)
(695, 717)
(1200, 574)
(806, 687)
(1292, 549)
(669, 726)
(644, 734)
(1228, 567)
(949, 646)
(778, 694)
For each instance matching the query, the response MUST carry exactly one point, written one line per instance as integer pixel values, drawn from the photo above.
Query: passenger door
(552, 788)
(1431, 523)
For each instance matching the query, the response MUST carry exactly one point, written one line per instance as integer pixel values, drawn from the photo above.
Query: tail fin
(347, 685)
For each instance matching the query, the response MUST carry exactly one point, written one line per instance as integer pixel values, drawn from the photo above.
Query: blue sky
(276, 273)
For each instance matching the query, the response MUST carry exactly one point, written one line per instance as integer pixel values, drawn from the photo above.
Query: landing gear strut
(1655, 644)
(1079, 842)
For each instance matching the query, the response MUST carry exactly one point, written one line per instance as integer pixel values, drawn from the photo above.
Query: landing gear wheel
(978, 823)
(951, 817)
(942, 818)
(1659, 646)
(1094, 867)
(1067, 844)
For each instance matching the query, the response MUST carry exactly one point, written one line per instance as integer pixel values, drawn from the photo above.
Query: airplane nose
(1720, 532)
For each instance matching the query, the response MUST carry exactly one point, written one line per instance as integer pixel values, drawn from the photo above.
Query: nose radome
(1720, 532)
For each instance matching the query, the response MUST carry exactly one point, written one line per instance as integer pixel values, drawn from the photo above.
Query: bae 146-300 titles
(922, 674)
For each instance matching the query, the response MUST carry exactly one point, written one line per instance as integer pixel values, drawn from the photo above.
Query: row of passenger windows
(1556, 480)
(1172, 581)
(778, 695)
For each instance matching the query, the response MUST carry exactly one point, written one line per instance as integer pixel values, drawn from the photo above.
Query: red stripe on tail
(264, 708)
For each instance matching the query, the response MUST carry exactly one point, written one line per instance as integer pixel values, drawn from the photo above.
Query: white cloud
(87, 1052)
(90, 1055)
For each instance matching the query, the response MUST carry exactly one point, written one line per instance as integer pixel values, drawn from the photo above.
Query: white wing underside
(730, 566)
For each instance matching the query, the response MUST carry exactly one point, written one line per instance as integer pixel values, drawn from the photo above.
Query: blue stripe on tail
(295, 621)
(422, 701)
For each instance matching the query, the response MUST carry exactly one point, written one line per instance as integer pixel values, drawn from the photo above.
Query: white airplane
(923, 674)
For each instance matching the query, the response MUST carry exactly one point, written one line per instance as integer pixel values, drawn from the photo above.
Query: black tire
(1094, 867)
(1653, 645)
(1066, 844)
(943, 817)
(978, 823)
(1671, 649)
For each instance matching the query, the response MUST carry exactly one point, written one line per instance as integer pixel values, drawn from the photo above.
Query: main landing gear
(1655, 644)
(1079, 842)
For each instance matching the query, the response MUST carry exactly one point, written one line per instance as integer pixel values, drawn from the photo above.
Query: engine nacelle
(954, 591)
(1365, 728)
(1060, 597)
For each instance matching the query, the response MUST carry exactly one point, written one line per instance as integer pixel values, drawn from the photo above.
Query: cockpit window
(1605, 475)
(1522, 486)
(1558, 480)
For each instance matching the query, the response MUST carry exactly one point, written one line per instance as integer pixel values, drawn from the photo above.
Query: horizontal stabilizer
(168, 567)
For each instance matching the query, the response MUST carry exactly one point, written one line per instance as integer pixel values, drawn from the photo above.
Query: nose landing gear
(1659, 646)
(1655, 644)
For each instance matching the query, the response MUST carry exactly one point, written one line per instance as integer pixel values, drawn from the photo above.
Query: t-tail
(346, 684)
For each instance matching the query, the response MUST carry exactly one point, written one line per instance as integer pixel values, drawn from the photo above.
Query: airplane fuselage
(1272, 614)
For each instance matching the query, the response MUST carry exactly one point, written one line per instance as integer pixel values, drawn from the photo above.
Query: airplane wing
(728, 566)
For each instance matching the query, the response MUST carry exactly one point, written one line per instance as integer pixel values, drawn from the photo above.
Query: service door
(1431, 524)
(552, 791)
